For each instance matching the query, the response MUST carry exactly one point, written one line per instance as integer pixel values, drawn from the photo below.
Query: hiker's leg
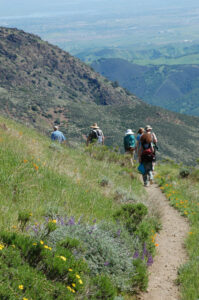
(132, 157)
(150, 171)
(145, 176)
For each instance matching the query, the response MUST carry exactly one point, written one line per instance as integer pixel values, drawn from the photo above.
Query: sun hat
(148, 127)
(56, 127)
(129, 131)
(94, 126)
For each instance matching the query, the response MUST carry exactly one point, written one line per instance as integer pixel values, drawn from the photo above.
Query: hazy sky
(9, 8)
(69, 23)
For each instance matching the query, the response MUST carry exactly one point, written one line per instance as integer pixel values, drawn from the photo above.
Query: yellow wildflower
(190, 232)
(34, 244)
(21, 287)
(69, 288)
(41, 242)
(1, 246)
(70, 270)
(73, 284)
(156, 245)
(77, 276)
(14, 227)
(73, 291)
(63, 258)
(80, 281)
(24, 298)
(30, 214)
(25, 161)
(13, 246)
(54, 221)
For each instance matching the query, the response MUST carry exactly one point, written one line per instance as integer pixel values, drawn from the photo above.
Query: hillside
(63, 234)
(172, 87)
(41, 85)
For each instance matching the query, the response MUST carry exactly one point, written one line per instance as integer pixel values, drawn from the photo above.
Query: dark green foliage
(39, 268)
(23, 218)
(115, 84)
(104, 288)
(131, 215)
(184, 173)
(141, 278)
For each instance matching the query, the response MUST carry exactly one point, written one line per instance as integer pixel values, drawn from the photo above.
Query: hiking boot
(146, 184)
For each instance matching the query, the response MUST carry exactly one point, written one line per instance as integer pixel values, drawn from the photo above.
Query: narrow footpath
(170, 252)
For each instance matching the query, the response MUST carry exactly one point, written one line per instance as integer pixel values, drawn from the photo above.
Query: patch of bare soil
(170, 252)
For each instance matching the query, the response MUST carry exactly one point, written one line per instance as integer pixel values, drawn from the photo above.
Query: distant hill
(172, 54)
(173, 87)
(42, 85)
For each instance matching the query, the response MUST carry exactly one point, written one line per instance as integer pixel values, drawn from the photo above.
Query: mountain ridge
(171, 87)
(42, 85)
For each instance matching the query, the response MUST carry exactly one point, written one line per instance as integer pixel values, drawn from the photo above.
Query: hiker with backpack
(95, 135)
(148, 130)
(129, 144)
(146, 158)
(138, 144)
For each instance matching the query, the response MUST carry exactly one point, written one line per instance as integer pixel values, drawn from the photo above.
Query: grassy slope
(42, 179)
(183, 195)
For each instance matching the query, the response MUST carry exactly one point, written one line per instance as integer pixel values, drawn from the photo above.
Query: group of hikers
(144, 145)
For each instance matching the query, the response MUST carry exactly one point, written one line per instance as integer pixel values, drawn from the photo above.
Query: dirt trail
(170, 252)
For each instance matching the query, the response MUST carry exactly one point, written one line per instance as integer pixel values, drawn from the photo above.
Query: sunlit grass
(183, 194)
(43, 179)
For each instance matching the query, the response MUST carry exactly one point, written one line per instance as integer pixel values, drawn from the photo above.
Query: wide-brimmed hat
(148, 127)
(94, 126)
(56, 127)
(129, 131)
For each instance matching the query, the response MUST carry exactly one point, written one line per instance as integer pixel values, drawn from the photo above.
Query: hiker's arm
(155, 140)
(103, 140)
(139, 154)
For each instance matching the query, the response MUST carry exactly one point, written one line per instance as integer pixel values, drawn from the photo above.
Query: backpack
(98, 135)
(129, 142)
(147, 153)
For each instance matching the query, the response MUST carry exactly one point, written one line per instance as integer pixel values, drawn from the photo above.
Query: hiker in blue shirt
(129, 144)
(57, 135)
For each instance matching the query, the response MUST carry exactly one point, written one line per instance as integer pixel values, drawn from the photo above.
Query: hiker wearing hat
(57, 135)
(95, 135)
(146, 158)
(148, 130)
(129, 144)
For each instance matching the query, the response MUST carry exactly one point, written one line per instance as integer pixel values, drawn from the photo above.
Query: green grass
(40, 179)
(183, 194)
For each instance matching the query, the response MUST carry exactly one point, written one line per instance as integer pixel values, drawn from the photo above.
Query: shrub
(140, 279)
(104, 289)
(23, 218)
(184, 173)
(107, 248)
(130, 215)
(58, 267)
